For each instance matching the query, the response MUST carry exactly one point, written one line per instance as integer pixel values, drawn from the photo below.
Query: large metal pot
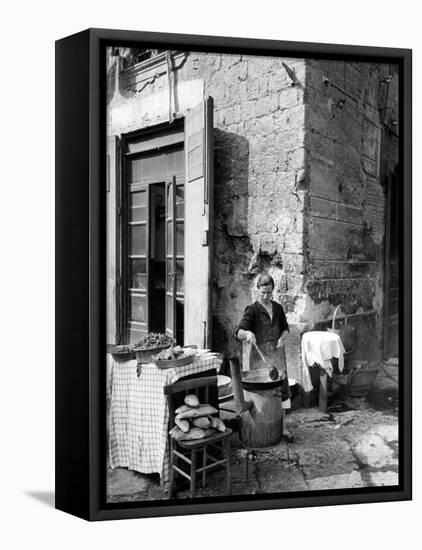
(258, 405)
(258, 379)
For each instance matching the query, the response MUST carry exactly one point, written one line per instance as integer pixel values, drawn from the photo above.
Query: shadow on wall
(232, 247)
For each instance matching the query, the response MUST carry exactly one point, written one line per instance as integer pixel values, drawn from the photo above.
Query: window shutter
(198, 224)
(113, 257)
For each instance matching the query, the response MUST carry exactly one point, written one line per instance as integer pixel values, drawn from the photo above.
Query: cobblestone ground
(337, 450)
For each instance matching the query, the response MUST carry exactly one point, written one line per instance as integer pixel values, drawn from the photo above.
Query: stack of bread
(195, 420)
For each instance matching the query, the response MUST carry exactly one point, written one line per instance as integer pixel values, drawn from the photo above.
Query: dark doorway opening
(157, 281)
(391, 293)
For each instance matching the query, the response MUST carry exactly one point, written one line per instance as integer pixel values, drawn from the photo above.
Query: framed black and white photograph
(237, 277)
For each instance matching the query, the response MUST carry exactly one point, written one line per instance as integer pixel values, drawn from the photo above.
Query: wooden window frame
(122, 224)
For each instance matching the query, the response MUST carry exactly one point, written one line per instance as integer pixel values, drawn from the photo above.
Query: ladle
(272, 370)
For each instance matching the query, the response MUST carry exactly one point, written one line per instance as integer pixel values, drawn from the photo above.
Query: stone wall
(345, 220)
(259, 160)
(259, 134)
(302, 149)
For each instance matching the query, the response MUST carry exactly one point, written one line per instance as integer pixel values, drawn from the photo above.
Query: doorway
(157, 280)
(153, 236)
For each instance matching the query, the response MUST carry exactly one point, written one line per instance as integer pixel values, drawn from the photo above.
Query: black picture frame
(80, 281)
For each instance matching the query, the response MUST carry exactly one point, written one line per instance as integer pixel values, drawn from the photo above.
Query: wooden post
(240, 405)
(193, 473)
(204, 463)
(323, 395)
(228, 466)
(171, 472)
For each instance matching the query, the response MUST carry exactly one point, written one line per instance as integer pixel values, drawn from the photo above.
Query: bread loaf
(192, 401)
(182, 408)
(194, 433)
(201, 422)
(202, 410)
(182, 424)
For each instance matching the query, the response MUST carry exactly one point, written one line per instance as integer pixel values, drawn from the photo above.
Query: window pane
(180, 238)
(180, 205)
(169, 275)
(180, 281)
(138, 234)
(138, 206)
(138, 198)
(139, 277)
(138, 308)
(169, 312)
(169, 238)
(170, 200)
(146, 169)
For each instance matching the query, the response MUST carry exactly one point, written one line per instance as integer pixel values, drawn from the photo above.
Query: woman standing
(264, 324)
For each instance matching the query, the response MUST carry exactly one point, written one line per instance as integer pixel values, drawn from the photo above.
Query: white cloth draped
(319, 348)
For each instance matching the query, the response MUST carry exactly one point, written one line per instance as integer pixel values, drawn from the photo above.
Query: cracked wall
(302, 149)
(259, 138)
(259, 163)
(350, 150)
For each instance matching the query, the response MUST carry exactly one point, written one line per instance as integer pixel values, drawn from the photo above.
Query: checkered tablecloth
(139, 414)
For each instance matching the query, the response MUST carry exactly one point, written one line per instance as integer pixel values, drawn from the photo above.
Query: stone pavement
(338, 450)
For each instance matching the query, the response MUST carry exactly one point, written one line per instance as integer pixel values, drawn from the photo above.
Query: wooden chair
(189, 450)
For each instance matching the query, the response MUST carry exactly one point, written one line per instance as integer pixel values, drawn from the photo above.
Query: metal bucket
(258, 404)
(362, 379)
(261, 425)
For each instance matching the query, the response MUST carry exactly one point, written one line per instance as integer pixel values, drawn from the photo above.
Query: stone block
(377, 448)
(292, 117)
(323, 180)
(370, 167)
(266, 105)
(340, 481)
(228, 61)
(349, 213)
(275, 477)
(252, 88)
(371, 136)
(278, 80)
(322, 208)
(268, 125)
(388, 478)
(296, 159)
(333, 240)
(289, 97)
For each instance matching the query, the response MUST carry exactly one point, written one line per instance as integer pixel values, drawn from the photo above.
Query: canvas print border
(81, 430)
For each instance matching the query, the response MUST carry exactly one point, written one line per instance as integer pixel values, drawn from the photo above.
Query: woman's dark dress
(267, 332)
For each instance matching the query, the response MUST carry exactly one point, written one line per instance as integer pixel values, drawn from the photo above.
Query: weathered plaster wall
(301, 153)
(259, 161)
(259, 137)
(345, 221)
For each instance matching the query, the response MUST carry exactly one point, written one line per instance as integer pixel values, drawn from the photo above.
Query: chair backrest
(198, 386)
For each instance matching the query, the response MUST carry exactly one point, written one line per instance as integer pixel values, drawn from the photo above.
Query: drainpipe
(170, 78)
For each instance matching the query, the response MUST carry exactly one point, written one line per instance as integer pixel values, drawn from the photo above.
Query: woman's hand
(250, 337)
(247, 335)
(282, 340)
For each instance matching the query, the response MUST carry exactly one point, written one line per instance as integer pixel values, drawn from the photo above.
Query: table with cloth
(318, 348)
(138, 422)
